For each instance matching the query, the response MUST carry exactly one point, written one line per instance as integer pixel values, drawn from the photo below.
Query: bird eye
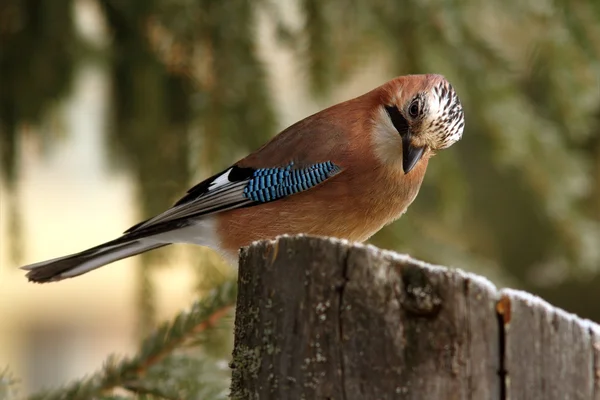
(415, 109)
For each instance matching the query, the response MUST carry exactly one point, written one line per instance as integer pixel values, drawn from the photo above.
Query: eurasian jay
(345, 172)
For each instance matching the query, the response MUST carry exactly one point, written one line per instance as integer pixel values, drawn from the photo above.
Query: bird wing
(239, 187)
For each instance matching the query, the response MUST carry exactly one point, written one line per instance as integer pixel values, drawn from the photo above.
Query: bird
(343, 172)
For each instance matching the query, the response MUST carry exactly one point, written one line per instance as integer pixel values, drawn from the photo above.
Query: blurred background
(110, 110)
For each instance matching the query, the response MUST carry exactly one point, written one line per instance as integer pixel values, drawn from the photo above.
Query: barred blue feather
(268, 184)
(240, 187)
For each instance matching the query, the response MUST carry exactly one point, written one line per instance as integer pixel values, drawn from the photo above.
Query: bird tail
(80, 263)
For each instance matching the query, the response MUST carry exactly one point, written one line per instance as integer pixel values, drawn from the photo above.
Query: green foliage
(8, 389)
(518, 199)
(31, 80)
(165, 365)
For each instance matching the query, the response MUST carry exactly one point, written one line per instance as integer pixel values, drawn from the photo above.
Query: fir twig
(142, 388)
(168, 337)
(115, 398)
(7, 385)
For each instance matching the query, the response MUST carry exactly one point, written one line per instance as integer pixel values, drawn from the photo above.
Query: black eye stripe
(400, 123)
(447, 122)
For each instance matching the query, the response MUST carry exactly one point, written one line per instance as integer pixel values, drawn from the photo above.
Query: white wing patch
(220, 193)
(239, 187)
(222, 180)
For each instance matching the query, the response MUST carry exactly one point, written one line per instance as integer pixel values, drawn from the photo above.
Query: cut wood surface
(321, 318)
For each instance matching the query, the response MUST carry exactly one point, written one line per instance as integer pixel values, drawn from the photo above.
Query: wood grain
(548, 352)
(322, 319)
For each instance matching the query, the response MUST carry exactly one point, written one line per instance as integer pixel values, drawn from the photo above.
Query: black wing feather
(236, 174)
(238, 187)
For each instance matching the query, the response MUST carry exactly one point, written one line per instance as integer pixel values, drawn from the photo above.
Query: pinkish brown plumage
(345, 171)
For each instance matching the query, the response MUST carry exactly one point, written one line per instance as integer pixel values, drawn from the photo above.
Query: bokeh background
(110, 110)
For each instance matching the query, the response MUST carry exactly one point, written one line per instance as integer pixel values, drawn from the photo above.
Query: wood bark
(319, 318)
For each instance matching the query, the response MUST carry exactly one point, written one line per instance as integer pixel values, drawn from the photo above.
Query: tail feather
(77, 264)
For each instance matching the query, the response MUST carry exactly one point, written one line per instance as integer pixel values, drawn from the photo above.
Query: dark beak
(410, 154)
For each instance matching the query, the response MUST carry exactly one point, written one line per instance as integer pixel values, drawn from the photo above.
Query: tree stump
(319, 318)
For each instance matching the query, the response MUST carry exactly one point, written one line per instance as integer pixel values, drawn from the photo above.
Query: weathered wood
(287, 321)
(414, 331)
(319, 319)
(548, 353)
(595, 332)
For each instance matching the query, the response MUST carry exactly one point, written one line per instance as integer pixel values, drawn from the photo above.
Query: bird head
(418, 115)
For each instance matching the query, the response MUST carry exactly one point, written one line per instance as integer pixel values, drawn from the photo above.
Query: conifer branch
(165, 339)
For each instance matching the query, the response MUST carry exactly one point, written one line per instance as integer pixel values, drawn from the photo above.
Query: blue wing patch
(239, 187)
(268, 184)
